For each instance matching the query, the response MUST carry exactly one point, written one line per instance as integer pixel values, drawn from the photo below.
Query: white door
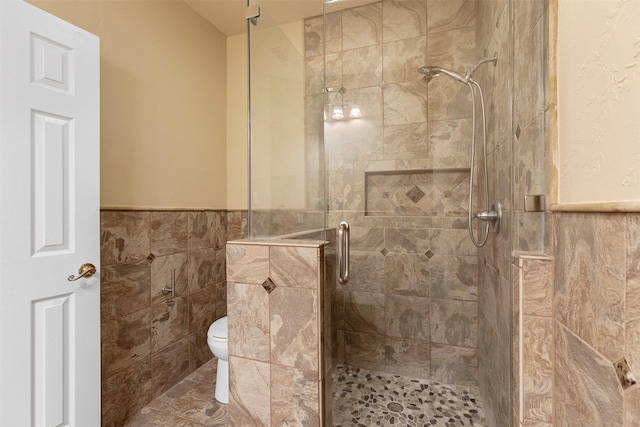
(49, 220)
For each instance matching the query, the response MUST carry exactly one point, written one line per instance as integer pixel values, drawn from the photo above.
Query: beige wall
(237, 122)
(598, 100)
(163, 102)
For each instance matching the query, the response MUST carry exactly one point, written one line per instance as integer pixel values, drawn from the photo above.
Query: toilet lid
(218, 328)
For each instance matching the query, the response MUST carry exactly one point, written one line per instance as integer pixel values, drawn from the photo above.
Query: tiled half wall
(151, 341)
(279, 361)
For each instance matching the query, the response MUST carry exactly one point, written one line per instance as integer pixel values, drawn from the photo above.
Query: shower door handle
(343, 252)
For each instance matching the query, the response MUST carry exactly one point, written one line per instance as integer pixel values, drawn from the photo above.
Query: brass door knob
(85, 270)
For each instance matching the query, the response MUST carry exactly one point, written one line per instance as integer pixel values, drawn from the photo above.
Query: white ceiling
(228, 15)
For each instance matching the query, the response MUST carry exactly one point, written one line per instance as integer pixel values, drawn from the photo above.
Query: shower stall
(348, 124)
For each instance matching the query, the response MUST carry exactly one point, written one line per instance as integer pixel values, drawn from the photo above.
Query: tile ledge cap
(531, 255)
(158, 208)
(279, 242)
(629, 206)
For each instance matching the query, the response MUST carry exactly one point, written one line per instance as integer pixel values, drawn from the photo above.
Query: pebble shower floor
(365, 398)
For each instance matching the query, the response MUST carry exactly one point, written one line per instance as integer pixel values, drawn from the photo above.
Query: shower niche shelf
(425, 192)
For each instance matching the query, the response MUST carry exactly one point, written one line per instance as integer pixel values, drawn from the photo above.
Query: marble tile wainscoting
(151, 341)
(577, 324)
(597, 313)
(279, 357)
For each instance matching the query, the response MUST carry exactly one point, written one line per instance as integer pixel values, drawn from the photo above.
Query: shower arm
(469, 74)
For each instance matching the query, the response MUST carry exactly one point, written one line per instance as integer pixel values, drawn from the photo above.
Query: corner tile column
(276, 353)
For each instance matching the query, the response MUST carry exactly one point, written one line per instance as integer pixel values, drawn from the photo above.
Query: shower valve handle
(486, 215)
(494, 215)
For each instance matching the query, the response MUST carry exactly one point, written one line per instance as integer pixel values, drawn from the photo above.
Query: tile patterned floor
(361, 398)
(190, 403)
(365, 398)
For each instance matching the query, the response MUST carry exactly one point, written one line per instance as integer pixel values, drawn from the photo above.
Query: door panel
(49, 220)
(52, 147)
(51, 63)
(52, 361)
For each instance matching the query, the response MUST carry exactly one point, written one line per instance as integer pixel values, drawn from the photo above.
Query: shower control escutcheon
(494, 215)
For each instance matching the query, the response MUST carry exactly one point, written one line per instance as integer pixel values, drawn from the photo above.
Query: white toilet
(217, 340)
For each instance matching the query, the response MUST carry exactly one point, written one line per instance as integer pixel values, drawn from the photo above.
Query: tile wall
(151, 341)
(597, 312)
(574, 312)
(278, 359)
(399, 175)
(533, 335)
(580, 320)
(493, 34)
(517, 97)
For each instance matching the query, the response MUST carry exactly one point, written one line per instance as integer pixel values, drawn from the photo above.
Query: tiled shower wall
(399, 175)
(515, 30)
(494, 294)
(150, 341)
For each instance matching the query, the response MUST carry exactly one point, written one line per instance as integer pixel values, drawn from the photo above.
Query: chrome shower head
(431, 72)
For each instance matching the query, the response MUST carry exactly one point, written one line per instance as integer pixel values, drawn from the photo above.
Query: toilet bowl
(217, 340)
